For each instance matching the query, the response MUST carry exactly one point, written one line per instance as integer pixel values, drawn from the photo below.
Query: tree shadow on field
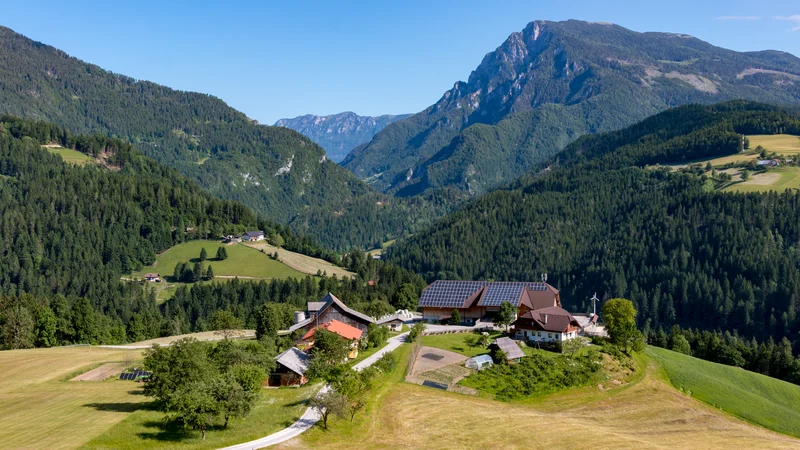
(171, 431)
(127, 407)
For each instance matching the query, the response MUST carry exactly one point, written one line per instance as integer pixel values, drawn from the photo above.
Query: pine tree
(203, 254)
(209, 273)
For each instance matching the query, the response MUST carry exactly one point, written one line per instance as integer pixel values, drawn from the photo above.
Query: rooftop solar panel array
(449, 294)
(134, 375)
(499, 292)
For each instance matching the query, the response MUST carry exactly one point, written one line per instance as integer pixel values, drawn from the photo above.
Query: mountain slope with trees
(339, 133)
(551, 83)
(275, 171)
(599, 221)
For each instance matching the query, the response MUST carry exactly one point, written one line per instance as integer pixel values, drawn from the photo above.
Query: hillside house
(587, 322)
(232, 239)
(769, 162)
(328, 309)
(253, 236)
(475, 300)
(152, 278)
(349, 333)
(551, 325)
(290, 368)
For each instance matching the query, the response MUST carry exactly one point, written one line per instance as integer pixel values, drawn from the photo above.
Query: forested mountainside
(339, 133)
(70, 232)
(275, 171)
(551, 83)
(601, 222)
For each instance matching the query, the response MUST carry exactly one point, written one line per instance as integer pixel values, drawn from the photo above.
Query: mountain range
(339, 133)
(551, 83)
(276, 171)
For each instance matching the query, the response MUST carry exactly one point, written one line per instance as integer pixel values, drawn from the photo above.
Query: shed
(510, 348)
(290, 368)
(479, 362)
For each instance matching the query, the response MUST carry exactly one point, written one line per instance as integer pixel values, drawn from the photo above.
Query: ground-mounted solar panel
(435, 385)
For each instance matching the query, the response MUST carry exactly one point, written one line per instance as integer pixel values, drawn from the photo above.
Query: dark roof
(465, 294)
(295, 360)
(510, 348)
(554, 318)
(253, 233)
(327, 301)
(151, 275)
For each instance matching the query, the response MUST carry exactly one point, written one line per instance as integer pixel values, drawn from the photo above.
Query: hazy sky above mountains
(272, 61)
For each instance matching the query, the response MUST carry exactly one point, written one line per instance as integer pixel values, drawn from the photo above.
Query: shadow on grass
(127, 407)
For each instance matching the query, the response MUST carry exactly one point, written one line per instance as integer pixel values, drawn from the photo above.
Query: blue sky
(274, 59)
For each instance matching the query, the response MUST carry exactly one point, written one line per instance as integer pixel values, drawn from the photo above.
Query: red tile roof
(342, 329)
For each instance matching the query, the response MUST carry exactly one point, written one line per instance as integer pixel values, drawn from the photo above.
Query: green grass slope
(756, 398)
(242, 261)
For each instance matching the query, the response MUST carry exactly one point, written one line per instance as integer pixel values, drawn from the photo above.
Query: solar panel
(499, 292)
(449, 294)
(434, 385)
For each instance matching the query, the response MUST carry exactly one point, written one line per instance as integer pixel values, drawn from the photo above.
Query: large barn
(328, 309)
(477, 299)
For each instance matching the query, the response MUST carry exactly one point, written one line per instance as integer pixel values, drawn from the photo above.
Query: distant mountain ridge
(274, 170)
(339, 133)
(551, 83)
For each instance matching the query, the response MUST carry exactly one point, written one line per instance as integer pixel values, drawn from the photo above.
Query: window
(540, 334)
(550, 335)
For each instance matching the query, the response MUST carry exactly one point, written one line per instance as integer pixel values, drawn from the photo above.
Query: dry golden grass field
(645, 414)
(301, 263)
(201, 336)
(39, 409)
(785, 144)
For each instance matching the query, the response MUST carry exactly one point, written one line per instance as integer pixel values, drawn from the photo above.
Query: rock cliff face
(339, 133)
(549, 84)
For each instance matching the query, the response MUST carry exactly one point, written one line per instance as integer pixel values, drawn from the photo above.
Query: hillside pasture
(299, 262)
(783, 144)
(779, 179)
(756, 398)
(70, 156)
(201, 336)
(144, 428)
(39, 408)
(645, 414)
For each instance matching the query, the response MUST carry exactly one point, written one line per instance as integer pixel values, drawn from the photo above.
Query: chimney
(544, 318)
(299, 316)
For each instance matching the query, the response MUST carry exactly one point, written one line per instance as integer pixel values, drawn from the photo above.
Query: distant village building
(152, 278)
(232, 238)
(475, 299)
(290, 368)
(253, 236)
(768, 162)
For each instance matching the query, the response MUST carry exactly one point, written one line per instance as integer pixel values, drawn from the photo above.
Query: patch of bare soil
(101, 373)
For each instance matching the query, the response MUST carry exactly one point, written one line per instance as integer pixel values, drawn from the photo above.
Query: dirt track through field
(101, 373)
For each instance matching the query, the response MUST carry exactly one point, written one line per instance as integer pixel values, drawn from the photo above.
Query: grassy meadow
(39, 408)
(144, 428)
(756, 398)
(784, 144)
(71, 156)
(779, 179)
(646, 413)
(456, 342)
(242, 261)
(299, 262)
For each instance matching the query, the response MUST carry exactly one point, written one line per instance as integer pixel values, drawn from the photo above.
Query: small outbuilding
(291, 367)
(479, 362)
(510, 348)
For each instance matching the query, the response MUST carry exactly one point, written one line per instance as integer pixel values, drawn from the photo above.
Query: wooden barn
(290, 368)
(329, 309)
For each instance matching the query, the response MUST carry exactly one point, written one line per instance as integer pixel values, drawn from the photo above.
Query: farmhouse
(328, 309)
(291, 367)
(553, 324)
(253, 236)
(475, 300)
(232, 238)
(769, 162)
(152, 278)
(344, 330)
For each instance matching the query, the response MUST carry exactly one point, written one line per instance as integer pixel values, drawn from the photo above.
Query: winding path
(311, 416)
